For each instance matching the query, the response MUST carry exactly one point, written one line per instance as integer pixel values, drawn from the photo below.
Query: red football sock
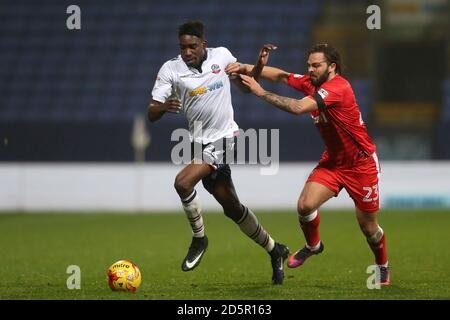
(379, 250)
(311, 228)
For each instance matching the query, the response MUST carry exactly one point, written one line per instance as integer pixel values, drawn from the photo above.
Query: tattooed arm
(290, 105)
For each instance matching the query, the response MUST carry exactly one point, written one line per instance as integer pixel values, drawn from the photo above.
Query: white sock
(314, 248)
(251, 227)
(191, 206)
(309, 217)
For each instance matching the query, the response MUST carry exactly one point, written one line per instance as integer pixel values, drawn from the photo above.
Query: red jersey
(338, 120)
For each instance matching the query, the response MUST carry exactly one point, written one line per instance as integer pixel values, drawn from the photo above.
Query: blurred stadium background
(73, 102)
(73, 138)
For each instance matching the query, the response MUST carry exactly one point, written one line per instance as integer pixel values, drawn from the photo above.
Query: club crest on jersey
(215, 68)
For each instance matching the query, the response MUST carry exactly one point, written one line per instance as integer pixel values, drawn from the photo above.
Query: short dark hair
(191, 28)
(330, 54)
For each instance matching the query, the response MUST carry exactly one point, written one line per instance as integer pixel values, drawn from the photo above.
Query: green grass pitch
(37, 249)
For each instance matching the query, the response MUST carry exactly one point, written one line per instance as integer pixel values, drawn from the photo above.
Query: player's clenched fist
(171, 105)
(263, 57)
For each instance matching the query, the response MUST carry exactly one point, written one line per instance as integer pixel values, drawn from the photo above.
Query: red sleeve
(301, 83)
(331, 93)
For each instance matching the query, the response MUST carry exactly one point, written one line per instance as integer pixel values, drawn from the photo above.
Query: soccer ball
(124, 275)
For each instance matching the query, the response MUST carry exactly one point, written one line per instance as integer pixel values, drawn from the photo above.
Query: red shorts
(360, 181)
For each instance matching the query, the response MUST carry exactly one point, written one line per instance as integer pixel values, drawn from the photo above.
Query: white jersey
(205, 96)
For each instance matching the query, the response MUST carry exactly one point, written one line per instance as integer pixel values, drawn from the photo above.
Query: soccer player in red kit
(350, 159)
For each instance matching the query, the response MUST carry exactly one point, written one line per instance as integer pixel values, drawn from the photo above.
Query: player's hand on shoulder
(234, 69)
(252, 85)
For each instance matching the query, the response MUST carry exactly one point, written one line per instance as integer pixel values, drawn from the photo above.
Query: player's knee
(233, 211)
(182, 185)
(368, 229)
(305, 207)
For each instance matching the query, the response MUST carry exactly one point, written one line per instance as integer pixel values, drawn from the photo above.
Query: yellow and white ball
(124, 275)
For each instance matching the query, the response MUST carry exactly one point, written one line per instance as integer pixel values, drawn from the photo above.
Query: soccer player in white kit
(203, 94)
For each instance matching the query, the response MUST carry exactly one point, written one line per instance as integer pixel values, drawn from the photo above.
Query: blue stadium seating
(105, 71)
(103, 74)
(445, 114)
(442, 146)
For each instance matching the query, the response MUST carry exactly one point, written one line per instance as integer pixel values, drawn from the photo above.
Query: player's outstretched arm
(267, 73)
(261, 61)
(156, 109)
(290, 105)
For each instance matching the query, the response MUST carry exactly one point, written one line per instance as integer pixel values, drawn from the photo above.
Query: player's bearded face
(192, 50)
(318, 69)
(317, 79)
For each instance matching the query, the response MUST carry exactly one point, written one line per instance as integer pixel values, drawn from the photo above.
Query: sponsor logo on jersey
(215, 68)
(298, 75)
(323, 93)
(205, 89)
(191, 75)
